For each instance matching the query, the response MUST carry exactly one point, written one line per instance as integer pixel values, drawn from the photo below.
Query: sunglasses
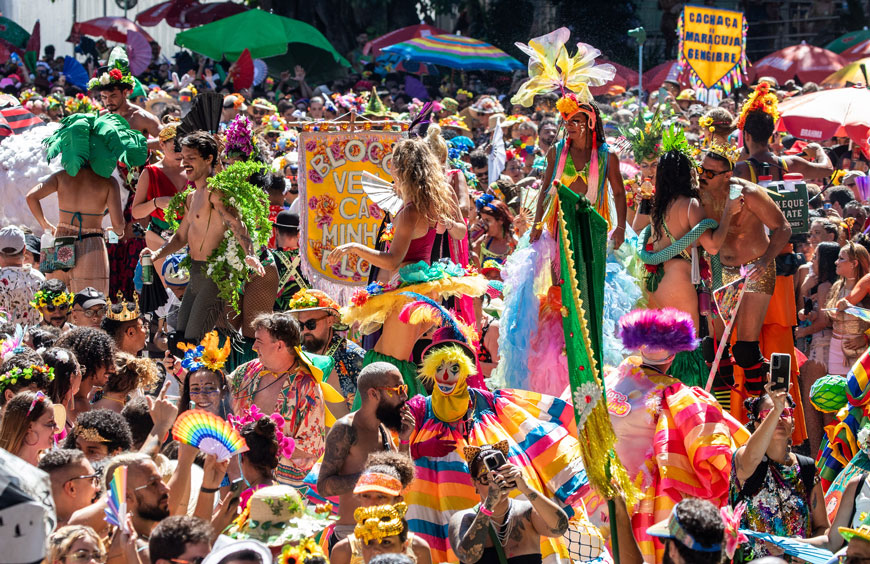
(398, 390)
(52, 307)
(710, 174)
(483, 479)
(786, 413)
(311, 324)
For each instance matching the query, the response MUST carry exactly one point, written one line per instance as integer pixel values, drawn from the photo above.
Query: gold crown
(90, 434)
(125, 314)
(725, 151)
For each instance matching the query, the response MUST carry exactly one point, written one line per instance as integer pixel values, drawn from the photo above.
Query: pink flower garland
(286, 445)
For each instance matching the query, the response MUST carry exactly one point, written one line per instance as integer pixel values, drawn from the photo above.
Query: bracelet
(204, 489)
(485, 511)
(619, 227)
(401, 442)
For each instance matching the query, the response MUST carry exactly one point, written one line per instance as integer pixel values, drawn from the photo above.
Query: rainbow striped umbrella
(456, 52)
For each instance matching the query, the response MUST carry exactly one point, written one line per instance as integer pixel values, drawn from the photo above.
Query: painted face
(447, 376)
(205, 390)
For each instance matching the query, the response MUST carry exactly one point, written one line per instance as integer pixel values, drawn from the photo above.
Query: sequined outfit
(780, 507)
(764, 286)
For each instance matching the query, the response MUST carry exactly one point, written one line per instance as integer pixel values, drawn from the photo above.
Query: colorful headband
(472, 452)
(11, 377)
(379, 521)
(485, 201)
(286, 445)
(39, 396)
(378, 482)
(208, 354)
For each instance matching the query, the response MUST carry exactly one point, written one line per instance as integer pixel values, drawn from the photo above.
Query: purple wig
(668, 328)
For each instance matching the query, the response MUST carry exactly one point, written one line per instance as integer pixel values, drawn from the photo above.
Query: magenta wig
(668, 328)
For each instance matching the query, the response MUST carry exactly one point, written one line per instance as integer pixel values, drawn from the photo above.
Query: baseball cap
(32, 243)
(88, 298)
(11, 240)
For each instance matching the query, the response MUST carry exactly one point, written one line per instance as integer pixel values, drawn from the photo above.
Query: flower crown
(379, 521)
(761, 100)
(11, 377)
(43, 297)
(466, 92)
(455, 120)
(118, 75)
(208, 354)
(273, 122)
(485, 201)
(286, 445)
(304, 299)
(51, 102)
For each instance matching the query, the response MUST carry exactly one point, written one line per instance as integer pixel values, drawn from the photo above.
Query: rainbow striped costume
(541, 433)
(674, 440)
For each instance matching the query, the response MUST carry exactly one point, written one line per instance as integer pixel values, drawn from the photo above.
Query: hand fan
(209, 433)
(116, 511)
(381, 192)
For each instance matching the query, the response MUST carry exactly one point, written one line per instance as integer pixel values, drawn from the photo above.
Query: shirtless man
(205, 220)
(114, 99)
(358, 434)
(746, 243)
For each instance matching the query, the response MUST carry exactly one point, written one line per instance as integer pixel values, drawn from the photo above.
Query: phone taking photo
(780, 371)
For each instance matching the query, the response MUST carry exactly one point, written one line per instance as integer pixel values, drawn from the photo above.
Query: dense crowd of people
(548, 246)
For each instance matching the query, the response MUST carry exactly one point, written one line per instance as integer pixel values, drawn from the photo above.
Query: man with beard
(284, 380)
(74, 483)
(52, 301)
(318, 314)
(204, 222)
(114, 84)
(360, 433)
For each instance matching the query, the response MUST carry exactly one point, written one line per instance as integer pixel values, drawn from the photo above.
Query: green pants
(407, 369)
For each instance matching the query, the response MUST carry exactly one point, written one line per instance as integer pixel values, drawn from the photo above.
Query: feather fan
(204, 115)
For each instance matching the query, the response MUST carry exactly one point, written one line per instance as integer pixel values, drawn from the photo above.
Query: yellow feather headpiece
(209, 354)
(761, 100)
(551, 69)
(379, 521)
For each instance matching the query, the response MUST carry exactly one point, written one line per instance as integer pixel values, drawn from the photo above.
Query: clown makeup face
(447, 376)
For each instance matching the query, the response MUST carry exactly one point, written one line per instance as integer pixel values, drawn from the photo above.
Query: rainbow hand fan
(209, 433)
(116, 511)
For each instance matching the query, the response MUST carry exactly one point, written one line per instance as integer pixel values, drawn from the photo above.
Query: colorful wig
(667, 329)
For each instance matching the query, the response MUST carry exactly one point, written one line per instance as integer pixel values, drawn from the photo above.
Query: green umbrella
(265, 35)
(13, 33)
(847, 40)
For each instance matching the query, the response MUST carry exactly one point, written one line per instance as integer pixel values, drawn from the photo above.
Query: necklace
(503, 531)
(259, 377)
(110, 398)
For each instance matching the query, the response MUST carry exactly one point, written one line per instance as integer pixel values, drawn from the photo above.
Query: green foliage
(226, 265)
(71, 142)
(97, 141)
(176, 208)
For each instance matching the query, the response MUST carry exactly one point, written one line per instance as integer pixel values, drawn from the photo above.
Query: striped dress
(542, 437)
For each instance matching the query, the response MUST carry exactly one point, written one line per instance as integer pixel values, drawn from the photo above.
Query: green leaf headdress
(674, 139)
(99, 142)
(645, 136)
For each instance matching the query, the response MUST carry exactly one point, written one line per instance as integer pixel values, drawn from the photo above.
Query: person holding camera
(781, 489)
(501, 529)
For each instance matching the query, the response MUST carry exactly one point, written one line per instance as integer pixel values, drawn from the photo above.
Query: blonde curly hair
(61, 541)
(132, 372)
(420, 180)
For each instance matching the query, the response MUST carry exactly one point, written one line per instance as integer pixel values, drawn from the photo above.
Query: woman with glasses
(781, 489)
(29, 426)
(75, 544)
(848, 341)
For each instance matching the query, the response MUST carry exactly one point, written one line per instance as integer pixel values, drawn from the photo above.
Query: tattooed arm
(339, 441)
(548, 519)
(468, 531)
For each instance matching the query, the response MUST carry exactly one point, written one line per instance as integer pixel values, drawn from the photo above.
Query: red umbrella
(201, 14)
(625, 77)
(656, 76)
(15, 120)
(110, 28)
(163, 11)
(858, 51)
(374, 46)
(820, 115)
(807, 63)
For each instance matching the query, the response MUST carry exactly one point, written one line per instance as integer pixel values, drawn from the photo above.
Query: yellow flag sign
(334, 209)
(712, 45)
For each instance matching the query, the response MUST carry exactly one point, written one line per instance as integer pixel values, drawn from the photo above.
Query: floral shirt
(17, 286)
(301, 405)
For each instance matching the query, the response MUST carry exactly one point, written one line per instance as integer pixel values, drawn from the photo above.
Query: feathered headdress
(99, 142)
(551, 69)
(674, 139)
(762, 100)
(208, 354)
(645, 136)
(667, 329)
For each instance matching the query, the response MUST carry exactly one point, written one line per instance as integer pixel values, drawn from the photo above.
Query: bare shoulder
(343, 431)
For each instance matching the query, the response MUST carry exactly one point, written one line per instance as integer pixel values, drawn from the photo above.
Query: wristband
(402, 442)
(204, 489)
(485, 511)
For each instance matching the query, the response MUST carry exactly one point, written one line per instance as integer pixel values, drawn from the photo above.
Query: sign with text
(712, 45)
(333, 207)
(795, 206)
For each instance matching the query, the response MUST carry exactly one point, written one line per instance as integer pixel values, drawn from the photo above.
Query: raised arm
(749, 456)
(36, 195)
(340, 439)
(819, 167)
(547, 518)
(391, 259)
